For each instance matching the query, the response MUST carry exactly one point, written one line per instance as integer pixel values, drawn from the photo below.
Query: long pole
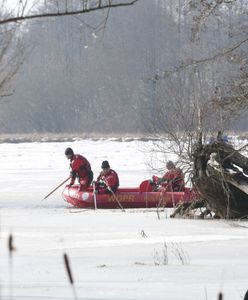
(111, 191)
(116, 199)
(56, 188)
(94, 194)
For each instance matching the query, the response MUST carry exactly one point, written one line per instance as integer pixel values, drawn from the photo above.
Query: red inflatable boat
(140, 197)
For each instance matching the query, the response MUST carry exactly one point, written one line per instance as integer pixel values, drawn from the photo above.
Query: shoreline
(71, 137)
(15, 138)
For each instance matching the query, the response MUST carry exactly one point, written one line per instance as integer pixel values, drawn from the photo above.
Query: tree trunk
(222, 185)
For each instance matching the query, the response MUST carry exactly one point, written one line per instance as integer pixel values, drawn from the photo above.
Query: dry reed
(11, 249)
(69, 273)
(220, 296)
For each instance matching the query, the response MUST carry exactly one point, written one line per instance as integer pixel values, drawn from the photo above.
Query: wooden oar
(56, 188)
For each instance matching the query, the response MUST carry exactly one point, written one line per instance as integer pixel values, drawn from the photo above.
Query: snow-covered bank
(113, 255)
(116, 255)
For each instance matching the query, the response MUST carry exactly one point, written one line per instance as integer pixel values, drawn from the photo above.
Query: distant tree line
(157, 66)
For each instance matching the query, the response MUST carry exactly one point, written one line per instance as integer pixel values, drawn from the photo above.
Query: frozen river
(113, 254)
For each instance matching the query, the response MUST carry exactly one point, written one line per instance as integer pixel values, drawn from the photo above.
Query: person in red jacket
(80, 168)
(173, 179)
(108, 181)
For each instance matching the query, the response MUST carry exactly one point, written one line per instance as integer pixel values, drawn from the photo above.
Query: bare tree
(11, 57)
(11, 19)
(230, 17)
(202, 94)
(207, 89)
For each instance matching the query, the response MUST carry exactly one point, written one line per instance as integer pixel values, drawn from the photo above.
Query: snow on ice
(113, 254)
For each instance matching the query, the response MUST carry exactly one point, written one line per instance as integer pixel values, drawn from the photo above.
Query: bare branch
(66, 13)
(205, 9)
(193, 63)
(6, 95)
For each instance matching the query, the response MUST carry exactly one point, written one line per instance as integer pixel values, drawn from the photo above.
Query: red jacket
(106, 180)
(174, 178)
(80, 167)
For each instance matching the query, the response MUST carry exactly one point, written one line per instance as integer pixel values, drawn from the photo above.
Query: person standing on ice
(173, 179)
(80, 168)
(107, 181)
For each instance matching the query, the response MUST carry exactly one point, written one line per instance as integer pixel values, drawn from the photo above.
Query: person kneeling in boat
(80, 168)
(107, 181)
(173, 179)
